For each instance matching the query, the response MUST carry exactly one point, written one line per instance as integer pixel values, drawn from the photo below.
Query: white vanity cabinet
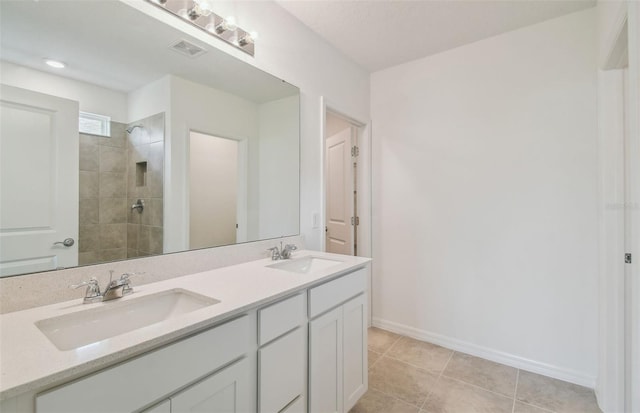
(304, 351)
(337, 344)
(282, 356)
(139, 382)
(227, 391)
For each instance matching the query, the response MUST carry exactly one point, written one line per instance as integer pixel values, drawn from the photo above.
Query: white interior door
(339, 208)
(38, 181)
(213, 190)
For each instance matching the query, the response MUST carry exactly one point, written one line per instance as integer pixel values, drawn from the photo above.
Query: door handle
(68, 242)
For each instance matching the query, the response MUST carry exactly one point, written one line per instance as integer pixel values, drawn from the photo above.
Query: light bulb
(248, 38)
(184, 13)
(205, 5)
(230, 23)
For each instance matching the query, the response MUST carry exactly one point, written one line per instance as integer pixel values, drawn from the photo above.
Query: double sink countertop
(30, 361)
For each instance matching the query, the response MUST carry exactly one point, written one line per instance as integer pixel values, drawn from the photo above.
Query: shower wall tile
(156, 240)
(113, 236)
(145, 230)
(132, 237)
(118, 136)
(152, 214)
(89, 211)
(156, 170)
(113, 185)
(113, 211)
(87, 258)
(112, 159)
(86, 139)
(113, 254)
(144, 236)
(89, 182)
(88, 238)
(89, 155)
(103, 196)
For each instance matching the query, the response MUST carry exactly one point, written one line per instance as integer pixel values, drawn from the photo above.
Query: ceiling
(82, 35)
(384, 33)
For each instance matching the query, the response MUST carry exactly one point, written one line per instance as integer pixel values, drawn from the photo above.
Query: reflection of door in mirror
(38, 180)
(214, 193)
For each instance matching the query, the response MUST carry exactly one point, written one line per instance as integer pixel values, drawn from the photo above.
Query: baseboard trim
(518, 362)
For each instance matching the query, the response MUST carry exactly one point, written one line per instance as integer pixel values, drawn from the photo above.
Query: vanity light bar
(199, 14)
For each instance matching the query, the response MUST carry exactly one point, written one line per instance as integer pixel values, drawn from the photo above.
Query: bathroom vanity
(263, 336)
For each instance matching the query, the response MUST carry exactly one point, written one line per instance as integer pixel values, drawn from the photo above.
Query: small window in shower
(95, 124)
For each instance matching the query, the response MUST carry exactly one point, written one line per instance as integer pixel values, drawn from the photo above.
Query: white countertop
(29, 361)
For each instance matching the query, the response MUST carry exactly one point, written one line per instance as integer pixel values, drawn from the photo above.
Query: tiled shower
(116, 172)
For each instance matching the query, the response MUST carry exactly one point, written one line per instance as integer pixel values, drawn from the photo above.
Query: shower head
(131, 128)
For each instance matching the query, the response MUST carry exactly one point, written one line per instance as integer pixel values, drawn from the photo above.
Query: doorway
(619, 146)
(341, 153)
(215, 190)
(341, 163)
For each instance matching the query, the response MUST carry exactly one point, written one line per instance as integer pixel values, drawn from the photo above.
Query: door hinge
(355, 151)
(355, 220)
(627, 258)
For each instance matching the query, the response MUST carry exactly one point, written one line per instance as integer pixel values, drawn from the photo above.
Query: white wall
(92, 98)
(289, 50)
(485, 198)
(149, 100)
(195, 107)
(279, 126)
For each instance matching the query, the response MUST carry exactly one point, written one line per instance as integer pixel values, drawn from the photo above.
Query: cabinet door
(281, 373)
(325, 363)
(354, 314)
(226, 391)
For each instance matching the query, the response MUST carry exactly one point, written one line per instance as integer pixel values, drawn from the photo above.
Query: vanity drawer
(132, 384)
(281, 372)
(277, 319)
(335, 292)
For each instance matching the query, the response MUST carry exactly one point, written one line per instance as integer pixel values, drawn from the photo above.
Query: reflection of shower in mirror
(130, 129)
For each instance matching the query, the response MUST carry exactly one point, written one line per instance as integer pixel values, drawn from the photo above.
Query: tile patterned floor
(411, 376)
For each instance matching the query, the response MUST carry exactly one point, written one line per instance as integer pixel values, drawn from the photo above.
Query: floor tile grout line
(440, 374)
(383, 355)
(386, 351)
(536, 406)
(432, 371)
(515, 392)
(396, 398)
(437, 379)
(478, 387)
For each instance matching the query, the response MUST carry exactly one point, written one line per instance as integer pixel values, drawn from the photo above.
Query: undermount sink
(305, 265)
(90, 326)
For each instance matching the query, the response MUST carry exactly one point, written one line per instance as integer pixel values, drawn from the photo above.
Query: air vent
(187, 49)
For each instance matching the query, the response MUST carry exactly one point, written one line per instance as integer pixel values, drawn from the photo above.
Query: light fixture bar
(198, 13)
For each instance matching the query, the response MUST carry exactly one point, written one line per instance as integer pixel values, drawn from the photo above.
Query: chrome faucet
(115, 288)
(282, 253)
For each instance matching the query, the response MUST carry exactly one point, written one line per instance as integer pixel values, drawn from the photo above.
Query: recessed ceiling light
(54, 63)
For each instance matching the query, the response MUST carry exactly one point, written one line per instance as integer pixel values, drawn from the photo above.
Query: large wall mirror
(147, 142)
